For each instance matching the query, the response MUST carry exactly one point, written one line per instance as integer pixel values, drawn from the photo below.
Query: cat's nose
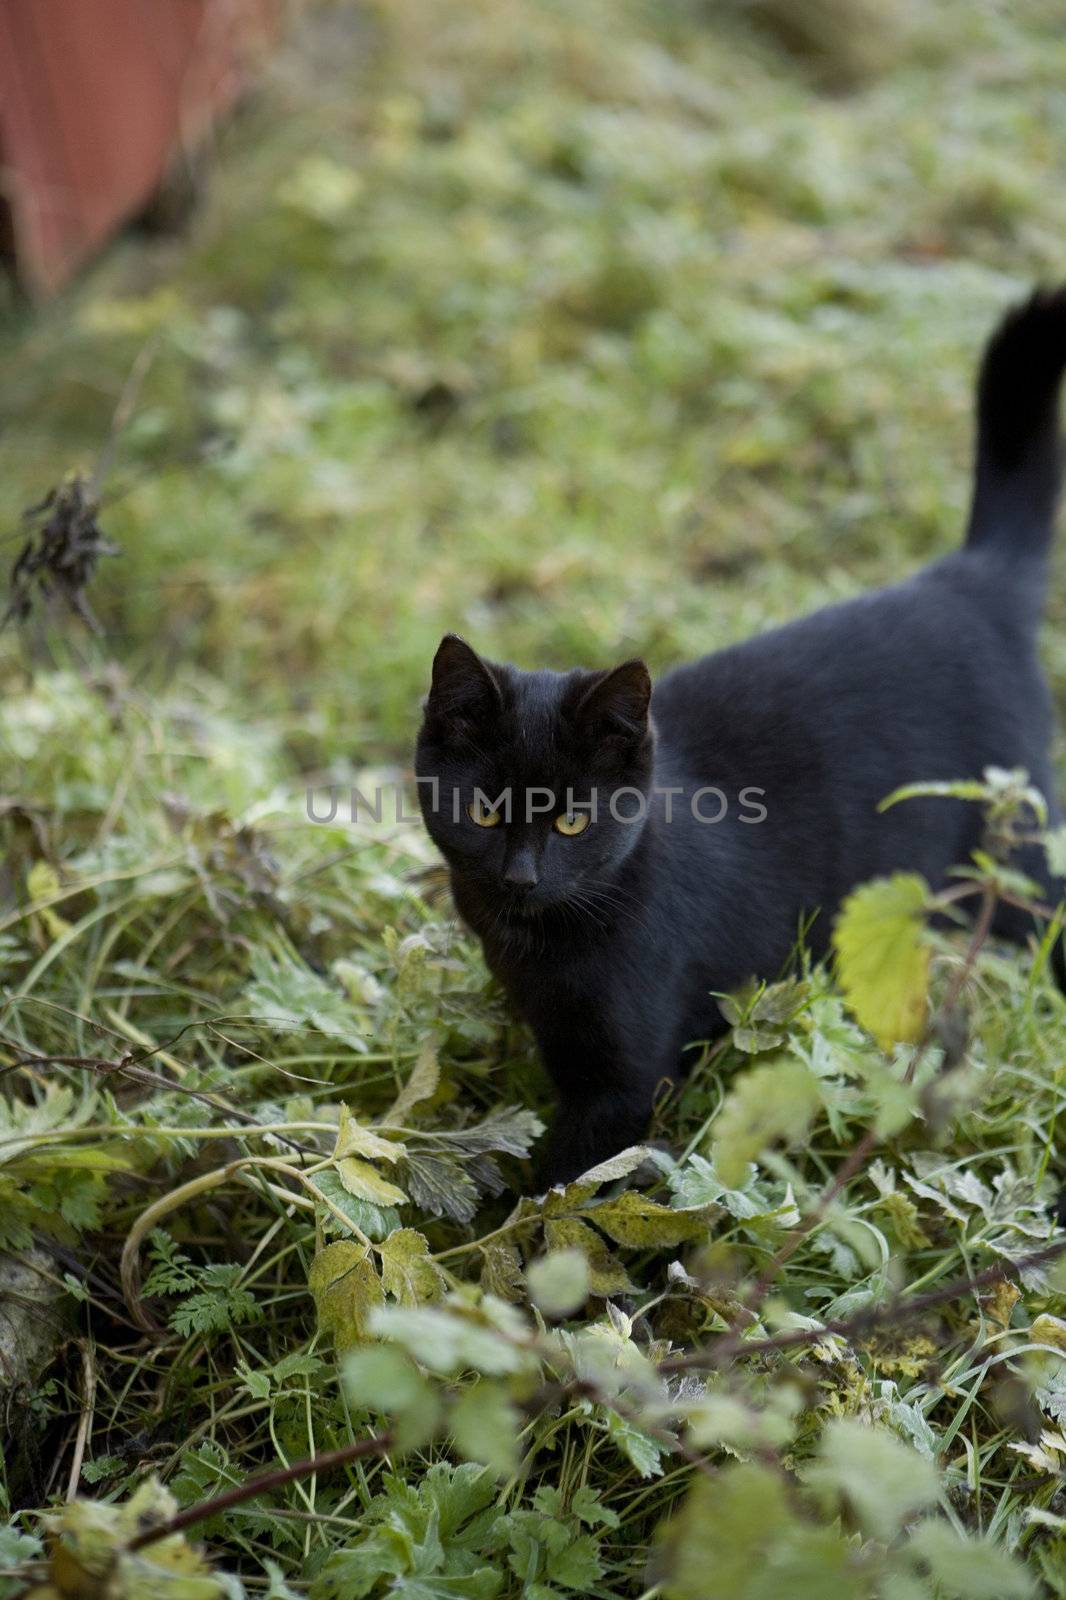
(521, 871)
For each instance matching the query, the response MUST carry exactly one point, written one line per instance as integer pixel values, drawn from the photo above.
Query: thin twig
(85, 1421)
(899, 1311)
(262, 1483)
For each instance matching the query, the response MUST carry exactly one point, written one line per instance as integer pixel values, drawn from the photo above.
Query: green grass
(586, 331)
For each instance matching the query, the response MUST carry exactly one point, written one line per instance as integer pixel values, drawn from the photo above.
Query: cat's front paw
(580, 1137)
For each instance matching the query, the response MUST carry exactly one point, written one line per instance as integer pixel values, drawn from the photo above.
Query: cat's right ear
(464, 688)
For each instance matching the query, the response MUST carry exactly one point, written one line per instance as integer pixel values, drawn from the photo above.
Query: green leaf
(642, 1451)
(767, 1104)
(737, 1537)
(631, 1218)
(221, 1304)
(288, 997)
(16, 1548)
(380, 1378)
(375, 1221)
(588, 1508)
(882, 959)
(607, 1275)
(421, 1085)
(577, 1565)
(882, 1479)
(347, 1291)
(485, 1425)
(1055, 850)
(441, 1186)
(407, 1271)
(958, 789)
(559, 1282)
(509, 1130)
(448, 1340)
(970, 1568)
(257, 1384)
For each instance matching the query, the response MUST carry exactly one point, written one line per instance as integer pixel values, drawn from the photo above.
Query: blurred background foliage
(585, 331)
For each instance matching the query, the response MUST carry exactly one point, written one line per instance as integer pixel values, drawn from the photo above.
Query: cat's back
(938, 666)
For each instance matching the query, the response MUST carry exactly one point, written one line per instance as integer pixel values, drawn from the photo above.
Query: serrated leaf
(375, 1222)
(407, 1271)
(883, 1480)
(510, 1130)
(774, 1102)
(485, 1425)
(289, 997)
(632, 1218)
(347, 1291)
(882, 959)
(588, 1508)
(577, 1566)
(441, 1186)
(642, 1451)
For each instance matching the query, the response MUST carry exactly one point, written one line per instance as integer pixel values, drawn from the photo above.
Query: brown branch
(377, 1444)
(899, 1311)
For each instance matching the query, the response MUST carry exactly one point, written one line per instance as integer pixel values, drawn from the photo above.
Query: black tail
(1019, 468)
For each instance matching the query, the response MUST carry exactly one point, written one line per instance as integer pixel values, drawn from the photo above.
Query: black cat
(622, 852)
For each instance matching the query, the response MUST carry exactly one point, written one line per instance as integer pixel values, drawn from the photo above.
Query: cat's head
(534, 785)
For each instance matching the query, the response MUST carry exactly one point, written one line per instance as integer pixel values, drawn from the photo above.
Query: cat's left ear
(619, 700)
(464, 688)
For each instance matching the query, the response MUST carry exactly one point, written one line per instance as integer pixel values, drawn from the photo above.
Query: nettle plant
(817, 1351)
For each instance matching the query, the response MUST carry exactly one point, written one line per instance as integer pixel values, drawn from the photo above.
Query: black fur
(610, 943)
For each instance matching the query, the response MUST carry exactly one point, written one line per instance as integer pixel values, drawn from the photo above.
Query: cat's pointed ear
(619, 700)
(464, 688)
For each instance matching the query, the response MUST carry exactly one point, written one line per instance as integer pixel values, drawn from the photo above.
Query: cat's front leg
(588, 1129)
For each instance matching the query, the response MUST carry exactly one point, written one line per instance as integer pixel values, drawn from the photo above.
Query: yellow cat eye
(482, 814)
(571, 823)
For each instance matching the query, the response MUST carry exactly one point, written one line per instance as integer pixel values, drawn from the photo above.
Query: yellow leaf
(633, 1219)
(361, 1179)
(775, 1101)
(882, 960)
(1049, 1330)
(606, 1273)
(42, 884)
(407, 1270)
(347, 1289)
(355, 1140)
